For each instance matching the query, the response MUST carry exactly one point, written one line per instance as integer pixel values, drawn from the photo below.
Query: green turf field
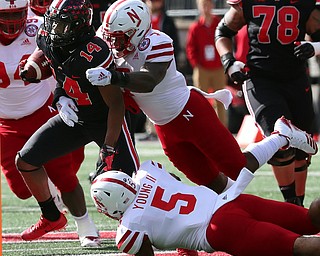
(17, 215)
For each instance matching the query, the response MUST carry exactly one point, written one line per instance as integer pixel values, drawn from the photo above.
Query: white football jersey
(170, 96)
(17, 98)
(172, 214)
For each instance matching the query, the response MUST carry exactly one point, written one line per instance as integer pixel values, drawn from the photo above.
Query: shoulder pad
(231, 2)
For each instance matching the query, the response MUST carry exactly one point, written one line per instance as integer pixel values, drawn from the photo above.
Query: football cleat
(296, 137)
(42, 227)
(88, 234)
(90, 242)
(186, 252)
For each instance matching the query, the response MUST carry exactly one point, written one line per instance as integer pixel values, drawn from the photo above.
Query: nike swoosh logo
(307, 89)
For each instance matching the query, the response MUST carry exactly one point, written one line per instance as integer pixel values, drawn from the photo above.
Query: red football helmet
(13, 17)
(39, 7)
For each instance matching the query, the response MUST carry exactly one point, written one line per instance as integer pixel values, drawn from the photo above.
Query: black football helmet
(68, 22)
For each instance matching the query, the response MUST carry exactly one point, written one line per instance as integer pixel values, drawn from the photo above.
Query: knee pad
(277, 159)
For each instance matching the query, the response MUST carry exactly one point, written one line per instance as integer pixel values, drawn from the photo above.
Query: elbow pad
(224, 31)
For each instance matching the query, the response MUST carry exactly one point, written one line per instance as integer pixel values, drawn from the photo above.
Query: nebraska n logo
(186, 116)
(134, 17)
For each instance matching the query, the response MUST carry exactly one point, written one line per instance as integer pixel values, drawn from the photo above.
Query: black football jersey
(70, 72)
(273, 27)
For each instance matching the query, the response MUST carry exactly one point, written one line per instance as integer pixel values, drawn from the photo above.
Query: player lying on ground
(195, 217)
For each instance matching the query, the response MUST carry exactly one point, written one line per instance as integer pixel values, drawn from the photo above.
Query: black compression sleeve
(119, 78)
(224, 31)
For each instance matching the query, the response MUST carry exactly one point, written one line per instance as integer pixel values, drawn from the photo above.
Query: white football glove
(99, 76)
(67, 110)
(237, 72)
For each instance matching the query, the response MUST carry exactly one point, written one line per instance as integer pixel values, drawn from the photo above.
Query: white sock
(265, 149)
(85, 226)
(83, 218)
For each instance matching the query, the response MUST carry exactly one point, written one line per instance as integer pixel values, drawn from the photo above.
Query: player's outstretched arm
(142, 81)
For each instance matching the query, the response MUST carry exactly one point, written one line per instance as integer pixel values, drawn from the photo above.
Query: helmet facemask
(119, 42)
(12, 22)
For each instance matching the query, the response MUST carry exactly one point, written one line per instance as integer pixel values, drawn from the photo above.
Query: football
(37, 66)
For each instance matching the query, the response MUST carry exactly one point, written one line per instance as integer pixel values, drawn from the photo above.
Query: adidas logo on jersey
(136, 56)
(26, 42)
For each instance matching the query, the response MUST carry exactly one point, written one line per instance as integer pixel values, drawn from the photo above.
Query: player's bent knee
(22, 166)
(283, 157)
(314, 213)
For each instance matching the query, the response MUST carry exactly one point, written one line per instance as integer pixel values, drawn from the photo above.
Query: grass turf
(17, 214)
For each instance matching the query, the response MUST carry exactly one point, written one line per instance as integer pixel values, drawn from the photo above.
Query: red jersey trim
(156, 55)
(124, 238)
(162, 46)
(131, 243)
(108, 61)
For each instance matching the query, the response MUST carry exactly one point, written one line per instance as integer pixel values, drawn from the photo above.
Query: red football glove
(107, 155)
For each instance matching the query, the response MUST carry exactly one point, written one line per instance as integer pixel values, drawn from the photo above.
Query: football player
(189, 130)
(86, 113)
(279, 83)
(24, 107)
(195, 217)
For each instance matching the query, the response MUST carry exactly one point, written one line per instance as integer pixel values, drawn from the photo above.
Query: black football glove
(23, 73)
(303, 51)
(236, 70)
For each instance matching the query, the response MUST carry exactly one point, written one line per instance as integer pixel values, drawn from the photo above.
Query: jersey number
(4, 77)
(158, 202)
(287, 23)
(73, 90)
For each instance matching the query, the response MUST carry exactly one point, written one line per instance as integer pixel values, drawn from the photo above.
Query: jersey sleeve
(129, 241)
(161, 49)
(94, 53)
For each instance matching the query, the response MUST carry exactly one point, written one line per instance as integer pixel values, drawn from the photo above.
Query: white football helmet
(125, 25)
(13, 17)
(112, 193)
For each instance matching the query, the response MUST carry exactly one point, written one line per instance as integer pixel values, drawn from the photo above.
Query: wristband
(119, 78)
(227, 61)
(316, 46)
(107, 148)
